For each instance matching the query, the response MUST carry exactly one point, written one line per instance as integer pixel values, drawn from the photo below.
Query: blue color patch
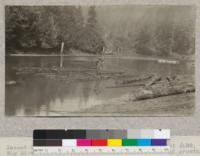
(144, 142)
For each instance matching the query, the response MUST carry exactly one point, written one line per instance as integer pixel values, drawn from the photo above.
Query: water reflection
(36, 95)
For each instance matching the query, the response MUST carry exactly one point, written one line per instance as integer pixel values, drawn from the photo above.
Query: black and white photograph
(100, 60)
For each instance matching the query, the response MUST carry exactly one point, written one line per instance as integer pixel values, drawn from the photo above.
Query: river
(38, 96)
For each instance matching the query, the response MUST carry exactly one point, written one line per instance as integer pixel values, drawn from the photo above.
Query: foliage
(143, 39)
(47, 26)
(20, 27)
(156, 30)
(90, 38)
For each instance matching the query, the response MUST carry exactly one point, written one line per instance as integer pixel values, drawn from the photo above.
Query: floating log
(11, 82)
(133, 80)
(153, 80)
(168, 61)
(127, 85)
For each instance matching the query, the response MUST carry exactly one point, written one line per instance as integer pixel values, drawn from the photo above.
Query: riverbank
(156, 94)
(175, 105)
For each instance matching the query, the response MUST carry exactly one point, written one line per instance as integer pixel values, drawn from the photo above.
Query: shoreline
(163, 105)
(148, 58)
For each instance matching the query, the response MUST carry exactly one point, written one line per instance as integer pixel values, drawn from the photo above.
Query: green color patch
(129, 142)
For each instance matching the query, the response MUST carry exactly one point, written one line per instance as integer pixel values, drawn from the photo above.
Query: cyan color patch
(144, 142)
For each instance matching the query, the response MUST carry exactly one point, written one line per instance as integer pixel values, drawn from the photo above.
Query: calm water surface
(35, 95)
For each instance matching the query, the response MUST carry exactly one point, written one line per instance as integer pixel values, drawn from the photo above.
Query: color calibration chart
(101, 142)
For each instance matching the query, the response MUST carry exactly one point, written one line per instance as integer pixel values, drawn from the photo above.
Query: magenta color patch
(84, 142)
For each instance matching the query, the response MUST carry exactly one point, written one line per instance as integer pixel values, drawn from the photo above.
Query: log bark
(164, 88)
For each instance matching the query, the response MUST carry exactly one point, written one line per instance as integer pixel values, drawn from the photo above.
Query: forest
(46, 27)
(120, 30)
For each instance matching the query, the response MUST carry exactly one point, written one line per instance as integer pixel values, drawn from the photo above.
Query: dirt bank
(166, 95)
(181, 105)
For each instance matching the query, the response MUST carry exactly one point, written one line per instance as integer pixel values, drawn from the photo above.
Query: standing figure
(99, 67)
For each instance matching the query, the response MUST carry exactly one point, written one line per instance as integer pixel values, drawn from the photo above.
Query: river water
(38, 96)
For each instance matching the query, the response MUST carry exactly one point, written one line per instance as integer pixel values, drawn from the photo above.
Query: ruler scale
(104, 150)
(101, 142)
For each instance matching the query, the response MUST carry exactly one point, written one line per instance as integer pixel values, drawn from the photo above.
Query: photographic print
(100, 60)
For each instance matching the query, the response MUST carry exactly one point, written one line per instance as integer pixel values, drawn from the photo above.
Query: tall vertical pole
(61, 54)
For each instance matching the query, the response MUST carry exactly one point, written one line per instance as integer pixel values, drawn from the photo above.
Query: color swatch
(100, 142)
(99, 134)
(114, 142)
(91, 138)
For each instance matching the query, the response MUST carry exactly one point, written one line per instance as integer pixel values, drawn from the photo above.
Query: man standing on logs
(99, 67)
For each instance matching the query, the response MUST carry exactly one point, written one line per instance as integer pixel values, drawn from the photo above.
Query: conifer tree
(92, 41)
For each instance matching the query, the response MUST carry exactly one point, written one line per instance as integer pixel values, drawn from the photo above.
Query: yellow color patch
(114, 142)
